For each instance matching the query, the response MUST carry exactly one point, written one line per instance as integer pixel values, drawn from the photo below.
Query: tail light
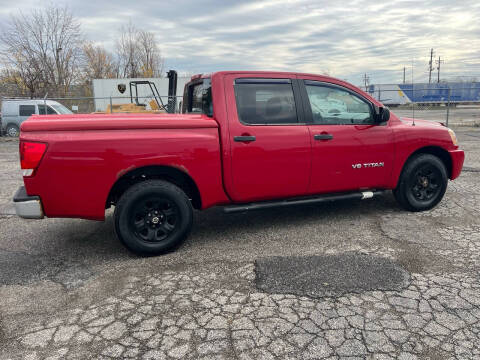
(30, 155)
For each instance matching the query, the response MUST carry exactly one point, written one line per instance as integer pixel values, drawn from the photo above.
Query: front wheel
(153, 217)
(422, 184)
(12, 130)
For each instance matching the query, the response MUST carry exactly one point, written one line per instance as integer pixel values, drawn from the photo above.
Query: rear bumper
(26, 206)
(457, 156)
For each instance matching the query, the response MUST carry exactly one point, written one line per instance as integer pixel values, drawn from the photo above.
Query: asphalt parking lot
(349, 279)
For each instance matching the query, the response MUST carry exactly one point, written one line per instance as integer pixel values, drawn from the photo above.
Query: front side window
(332, 105)
(197, 98)
(50, 111)
(60, 109)
(265, 101)
(26, 110)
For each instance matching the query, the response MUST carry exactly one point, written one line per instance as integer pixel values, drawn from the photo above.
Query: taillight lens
(30, 154)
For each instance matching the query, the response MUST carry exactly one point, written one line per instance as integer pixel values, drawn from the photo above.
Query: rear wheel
(153, 217)
(422, 184)
(12, 130)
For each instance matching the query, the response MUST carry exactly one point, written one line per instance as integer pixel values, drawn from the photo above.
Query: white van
(16, 111)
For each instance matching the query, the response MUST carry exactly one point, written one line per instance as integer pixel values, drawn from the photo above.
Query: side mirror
(382, 114)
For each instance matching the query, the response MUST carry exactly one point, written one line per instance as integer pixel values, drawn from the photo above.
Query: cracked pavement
(69, 290)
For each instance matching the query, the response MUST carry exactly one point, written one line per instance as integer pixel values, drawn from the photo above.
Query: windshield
(59, 108)
(197, 98)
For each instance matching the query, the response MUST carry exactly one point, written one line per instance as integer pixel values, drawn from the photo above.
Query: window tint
(50, 111)
(198, 98)
(335, 106)
(260, 102)
(26, 110)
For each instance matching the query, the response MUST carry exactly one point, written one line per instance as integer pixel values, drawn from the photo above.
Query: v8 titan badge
(368, 165)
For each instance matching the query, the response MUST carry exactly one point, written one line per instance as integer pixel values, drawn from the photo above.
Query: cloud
(345, 39)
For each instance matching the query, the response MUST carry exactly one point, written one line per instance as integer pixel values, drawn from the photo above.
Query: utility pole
(365, 81)
(439, 61)
(430, 67)
(404, 74)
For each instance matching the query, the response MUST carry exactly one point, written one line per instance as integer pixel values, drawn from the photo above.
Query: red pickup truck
(244, 140)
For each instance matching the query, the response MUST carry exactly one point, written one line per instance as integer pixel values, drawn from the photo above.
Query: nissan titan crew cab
(244, 140)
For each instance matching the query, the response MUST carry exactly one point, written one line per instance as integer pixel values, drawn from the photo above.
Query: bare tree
(44, 48)
(26, 76)
(137, 53)
(65, 43)
(127, 52)
(98, 63)
(151, 61)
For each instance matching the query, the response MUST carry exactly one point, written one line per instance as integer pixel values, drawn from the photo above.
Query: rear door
(269, 142)
(350, 151)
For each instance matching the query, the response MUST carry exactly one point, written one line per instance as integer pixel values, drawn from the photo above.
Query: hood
(420, 122)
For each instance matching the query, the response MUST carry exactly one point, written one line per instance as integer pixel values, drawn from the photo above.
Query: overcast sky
(342, 38)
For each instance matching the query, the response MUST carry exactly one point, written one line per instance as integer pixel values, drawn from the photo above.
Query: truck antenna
(413, 99)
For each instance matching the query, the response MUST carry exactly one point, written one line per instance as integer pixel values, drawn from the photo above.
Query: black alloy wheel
(153, 217)
(422, 183)
(426, 183)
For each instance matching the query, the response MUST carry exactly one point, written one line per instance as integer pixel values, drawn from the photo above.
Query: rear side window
(197, 98)
(265, 101)
(26, 110)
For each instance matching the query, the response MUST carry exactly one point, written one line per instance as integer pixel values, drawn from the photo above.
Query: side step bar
(296, 201)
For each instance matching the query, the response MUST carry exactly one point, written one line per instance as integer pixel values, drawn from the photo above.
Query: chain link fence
(454, 105)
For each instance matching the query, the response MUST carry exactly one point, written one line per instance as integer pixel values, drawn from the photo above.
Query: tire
(12, 130)
(422, 184)
(153, 217)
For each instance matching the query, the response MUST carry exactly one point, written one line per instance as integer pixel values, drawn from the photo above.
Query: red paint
(333, 160)
(86, 154)
(457, 157)
(275, 165)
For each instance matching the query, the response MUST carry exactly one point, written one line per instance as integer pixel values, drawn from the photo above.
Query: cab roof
(319, 77)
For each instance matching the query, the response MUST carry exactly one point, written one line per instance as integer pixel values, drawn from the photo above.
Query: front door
(350, 151)
(270, 147)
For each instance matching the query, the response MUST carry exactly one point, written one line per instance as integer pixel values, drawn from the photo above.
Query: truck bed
(82, 122)
(87, 154)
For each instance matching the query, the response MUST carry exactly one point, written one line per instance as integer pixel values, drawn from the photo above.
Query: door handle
(323, 136)
(244, 138)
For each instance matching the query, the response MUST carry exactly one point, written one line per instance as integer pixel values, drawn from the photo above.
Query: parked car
(16, 111)
(245, 141)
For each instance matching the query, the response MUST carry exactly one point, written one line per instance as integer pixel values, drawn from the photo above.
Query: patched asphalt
(20, 268)
(329, 275)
